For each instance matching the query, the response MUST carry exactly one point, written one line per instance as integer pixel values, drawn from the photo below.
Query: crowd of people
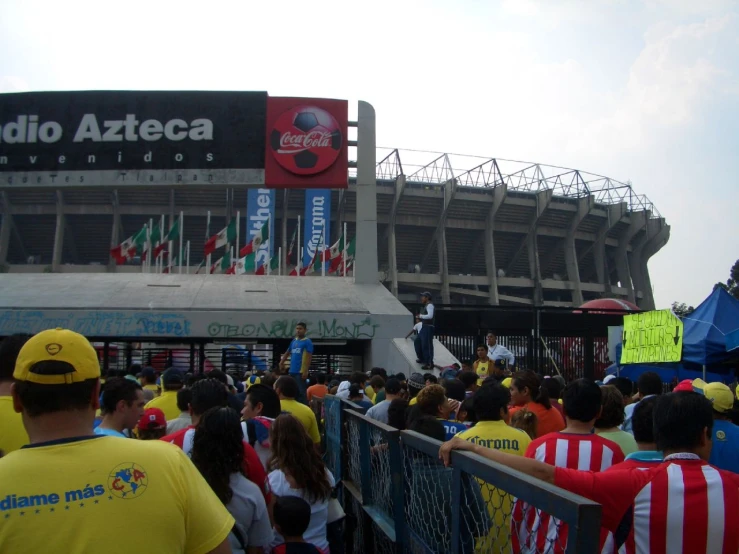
(225, 465)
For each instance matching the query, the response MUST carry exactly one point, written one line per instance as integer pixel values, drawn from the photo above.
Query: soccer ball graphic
(306, 140)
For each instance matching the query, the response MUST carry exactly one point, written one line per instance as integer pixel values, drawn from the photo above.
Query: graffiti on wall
(285, 328)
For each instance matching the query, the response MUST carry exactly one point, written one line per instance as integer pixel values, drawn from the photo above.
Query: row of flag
(158, 240)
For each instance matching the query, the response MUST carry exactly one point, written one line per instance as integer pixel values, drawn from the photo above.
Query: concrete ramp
(402, 357)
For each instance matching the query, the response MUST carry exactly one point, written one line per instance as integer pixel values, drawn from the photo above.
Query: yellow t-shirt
(76, 493)
(369, 392)
(482, 368)
(304, 414)
(12, 433)
(167, 402)
(499, 436)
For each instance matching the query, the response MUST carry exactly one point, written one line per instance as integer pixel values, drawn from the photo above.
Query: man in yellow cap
(725, 451)
(68, 486)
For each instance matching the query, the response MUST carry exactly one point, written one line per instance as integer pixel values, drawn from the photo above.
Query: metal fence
(399, 497)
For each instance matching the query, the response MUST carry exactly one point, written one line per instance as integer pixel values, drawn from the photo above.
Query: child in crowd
(525, 420)
(152, 425)
(292, 517)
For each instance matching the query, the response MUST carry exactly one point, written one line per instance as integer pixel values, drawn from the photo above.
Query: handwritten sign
(652, 337)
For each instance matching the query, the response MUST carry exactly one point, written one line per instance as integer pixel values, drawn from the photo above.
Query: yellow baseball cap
(57, 345)
(720, 396)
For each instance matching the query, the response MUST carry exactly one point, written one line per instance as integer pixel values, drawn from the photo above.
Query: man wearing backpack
(261, 407)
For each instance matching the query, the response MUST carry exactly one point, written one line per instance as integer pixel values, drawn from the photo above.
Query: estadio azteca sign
(160, 138)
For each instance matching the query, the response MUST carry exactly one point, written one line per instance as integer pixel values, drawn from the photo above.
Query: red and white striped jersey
(533, 529)
(682, 506)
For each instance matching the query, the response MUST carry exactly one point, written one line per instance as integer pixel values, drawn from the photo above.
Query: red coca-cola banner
(306, 143)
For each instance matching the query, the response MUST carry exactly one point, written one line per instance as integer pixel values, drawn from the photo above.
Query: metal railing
(399, 497)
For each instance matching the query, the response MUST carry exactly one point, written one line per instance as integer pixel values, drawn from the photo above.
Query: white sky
(640, 90)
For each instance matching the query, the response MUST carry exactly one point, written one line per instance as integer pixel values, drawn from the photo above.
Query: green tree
(732, 284)
(681, 309)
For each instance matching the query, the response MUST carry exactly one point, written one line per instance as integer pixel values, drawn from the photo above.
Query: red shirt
(584, 452)
(252, 467)
(547, 420)
(701, 515)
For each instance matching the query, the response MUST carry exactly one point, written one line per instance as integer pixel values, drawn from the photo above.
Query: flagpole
(279, 261)
(269, 243)
(207, 236)
(160, 258)
(343, 254)
(323, 252)
(188, 257)
(300, 250)
(238, 217)
(179, 254)
(231, 257)
(149, 252)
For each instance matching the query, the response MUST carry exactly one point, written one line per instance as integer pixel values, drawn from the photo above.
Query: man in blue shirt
(725, 450)
(648, 384)
(301, 355)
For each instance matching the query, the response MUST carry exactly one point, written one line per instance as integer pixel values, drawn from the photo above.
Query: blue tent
(705, 330)
(668, 372)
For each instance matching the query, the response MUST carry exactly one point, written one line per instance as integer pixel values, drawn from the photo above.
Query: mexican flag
(274, 265)
(336, 250)
(223, 265)
(337, 264)
(224, 237)
(245, 264)
(313, 267)
(124, 251)
(292, 244)
(140, 241)
(260, 238)
(172, 234)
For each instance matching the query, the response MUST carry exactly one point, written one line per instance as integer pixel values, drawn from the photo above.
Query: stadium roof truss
(473, 171)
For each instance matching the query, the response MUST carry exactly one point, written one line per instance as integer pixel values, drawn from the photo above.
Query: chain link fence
(399, 497)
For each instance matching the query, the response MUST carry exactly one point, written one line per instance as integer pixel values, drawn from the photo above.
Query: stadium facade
(474, 230)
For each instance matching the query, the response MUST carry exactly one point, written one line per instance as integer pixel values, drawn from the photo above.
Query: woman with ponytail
(527, 392)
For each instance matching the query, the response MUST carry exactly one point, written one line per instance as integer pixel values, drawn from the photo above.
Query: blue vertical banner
(260, 207)
(317, 222)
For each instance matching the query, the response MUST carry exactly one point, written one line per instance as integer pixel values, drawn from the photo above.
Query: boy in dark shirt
(292, 517)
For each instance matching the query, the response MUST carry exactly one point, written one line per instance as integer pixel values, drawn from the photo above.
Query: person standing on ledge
(426, 334)
(301, 355)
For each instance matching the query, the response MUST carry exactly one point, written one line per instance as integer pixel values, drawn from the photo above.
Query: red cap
(685, 385)
(153, 418)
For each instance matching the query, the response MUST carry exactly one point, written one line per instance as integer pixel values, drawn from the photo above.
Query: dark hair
(377, 381)
(455, 389)
(392, 386)
(530, 380)
(218, 375)
(269, 380)
(39, 399)
(429, 426)
(151, 434)
(134, 369)
(624, 385)
(488, 401)
(430, 378)
(301, 324)
(294, 454)
(267, 396)
(207, 394)
(483, 346)
(430, 399)
(468, 406)
(554, 388)
(9, 349)
(492, 333)
(468, 378)
(381, 371)
(612, 402)
(287, 386)
(357, 378)
(321, 378)
(396, 413)
(400, 376)
(354, 391)
(218, 449)
(649, 383)
(184, 397)
(642, 420)
(582, 400)
(680, 419)
(291, 515)
(115, 390)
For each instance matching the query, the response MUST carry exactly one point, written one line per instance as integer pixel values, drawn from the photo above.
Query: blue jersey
(725, 449)
(453, 427)
(299, 350)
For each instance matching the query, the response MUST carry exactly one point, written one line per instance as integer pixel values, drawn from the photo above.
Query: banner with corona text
(652, 337)
(317, 227)
(260, 209)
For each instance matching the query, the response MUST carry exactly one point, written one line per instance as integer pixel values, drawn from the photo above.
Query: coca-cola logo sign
(306, 140)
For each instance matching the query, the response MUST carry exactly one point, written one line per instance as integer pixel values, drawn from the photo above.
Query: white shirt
(380, 411)
(316, 532)
(262, 451)
(417, 327)
(248, 508)
(429, 312)
(499, 352)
